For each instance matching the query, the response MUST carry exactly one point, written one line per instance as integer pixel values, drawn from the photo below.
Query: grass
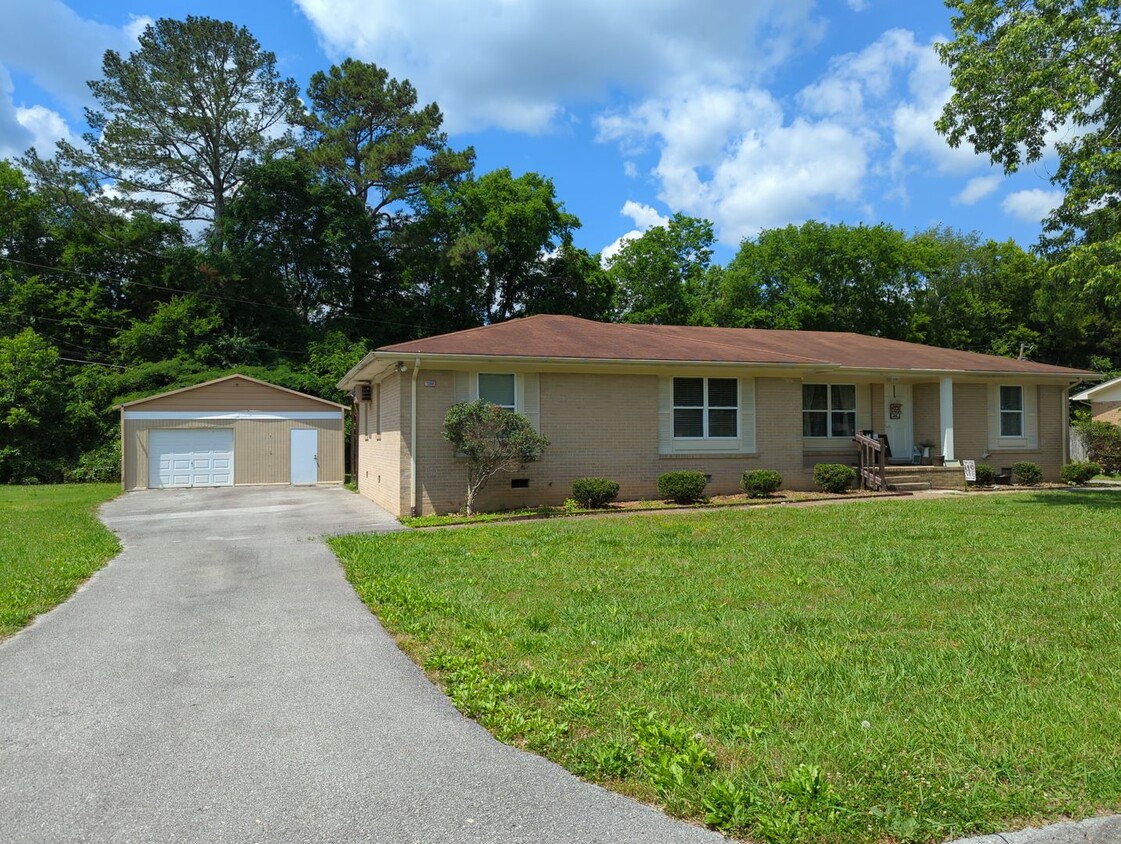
(50, 544)
(898, 671)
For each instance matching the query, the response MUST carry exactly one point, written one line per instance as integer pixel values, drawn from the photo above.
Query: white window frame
(513, 379)
(829, 410)
(706, 408)
(1020, 413)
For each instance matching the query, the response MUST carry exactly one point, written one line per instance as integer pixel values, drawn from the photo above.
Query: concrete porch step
(909, 486)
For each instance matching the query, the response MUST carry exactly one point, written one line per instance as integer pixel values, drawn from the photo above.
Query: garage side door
(190, 457)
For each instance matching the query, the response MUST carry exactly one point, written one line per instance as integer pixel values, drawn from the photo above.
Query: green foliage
(986, 475)
(32, 391)
(834, 477)
(1026, 473)
(1103, 443)
(594, 493)
(1022, 69)
(760, 483)
(367, 134)
(98, 465)
(493, 440)
(685, 486)
(210, 95)
(1079, 471)
(660, 275)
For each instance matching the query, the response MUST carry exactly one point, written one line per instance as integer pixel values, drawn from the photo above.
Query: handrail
(873, 459)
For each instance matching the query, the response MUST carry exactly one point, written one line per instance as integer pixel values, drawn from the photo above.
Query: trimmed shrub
(986, 475)
(1078, 472)
(594, 492)
(682, 487)
(760, 483)
(834, 477)
(1026, 473)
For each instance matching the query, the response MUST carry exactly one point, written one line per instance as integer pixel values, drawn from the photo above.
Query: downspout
(412, 442)
(1066, 424)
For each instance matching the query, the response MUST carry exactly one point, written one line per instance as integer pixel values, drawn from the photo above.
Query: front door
(305, 461)
(898, 420)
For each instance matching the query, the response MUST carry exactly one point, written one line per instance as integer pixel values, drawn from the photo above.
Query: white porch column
(946, 415)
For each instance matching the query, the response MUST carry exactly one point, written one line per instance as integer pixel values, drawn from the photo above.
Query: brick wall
(1106, 411)
(383, 460)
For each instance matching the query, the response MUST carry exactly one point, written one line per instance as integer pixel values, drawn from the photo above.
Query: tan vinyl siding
(261, 448)
(971, 423)
(233, 394)
(926, 421)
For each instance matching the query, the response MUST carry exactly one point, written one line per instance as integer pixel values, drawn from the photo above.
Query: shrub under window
(834, 477)
(760, 483)
(682, 487)
(1027, 473)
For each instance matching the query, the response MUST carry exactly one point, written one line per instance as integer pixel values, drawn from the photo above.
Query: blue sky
(753, 114)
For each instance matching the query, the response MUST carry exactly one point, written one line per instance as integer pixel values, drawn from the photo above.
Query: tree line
(212, 221)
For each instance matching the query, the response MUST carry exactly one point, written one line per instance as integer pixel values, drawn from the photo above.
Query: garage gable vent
(365, 392)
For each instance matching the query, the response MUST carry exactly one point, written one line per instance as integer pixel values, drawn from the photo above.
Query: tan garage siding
(238, 393)
(261, 448)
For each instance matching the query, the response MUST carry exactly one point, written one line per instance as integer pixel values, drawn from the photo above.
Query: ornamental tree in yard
(493, 439)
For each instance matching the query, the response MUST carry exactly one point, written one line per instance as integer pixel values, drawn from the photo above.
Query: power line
(93, 363)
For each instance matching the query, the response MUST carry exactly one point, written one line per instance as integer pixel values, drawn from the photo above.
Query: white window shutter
(461, 386)
(528, 394)
(747, 414)
(1031, 414)
(665, 416)
(994, 417)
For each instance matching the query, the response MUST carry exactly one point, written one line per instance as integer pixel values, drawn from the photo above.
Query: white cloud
(731, 156)
(60, 51)
(1032, 205)
(644, 217)
(858, 5)
(854, 78)
(977, 189)
(518, 65)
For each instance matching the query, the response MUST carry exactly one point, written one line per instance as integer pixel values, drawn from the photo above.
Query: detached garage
(230, 432)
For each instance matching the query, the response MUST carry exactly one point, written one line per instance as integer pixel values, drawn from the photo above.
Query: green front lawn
(50, 542)
(903, 670)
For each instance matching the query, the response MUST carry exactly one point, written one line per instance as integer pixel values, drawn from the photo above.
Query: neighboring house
(630, 402)
(1105, 401)
(228, 432)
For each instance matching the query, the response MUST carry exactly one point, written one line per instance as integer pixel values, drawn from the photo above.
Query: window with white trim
(498, 388)
(829, 410)
(706, 408)
(1011, 411)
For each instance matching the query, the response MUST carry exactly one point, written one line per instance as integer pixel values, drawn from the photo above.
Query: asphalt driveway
(219, 681)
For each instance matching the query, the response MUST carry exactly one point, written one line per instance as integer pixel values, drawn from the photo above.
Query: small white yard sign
(970, 467)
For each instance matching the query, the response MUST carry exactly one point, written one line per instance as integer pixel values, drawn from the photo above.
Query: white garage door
(190, 457)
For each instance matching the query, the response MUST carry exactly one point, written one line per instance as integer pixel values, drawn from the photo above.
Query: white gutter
(412, 442)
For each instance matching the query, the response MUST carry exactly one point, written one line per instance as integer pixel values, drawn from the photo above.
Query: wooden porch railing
(872, 460)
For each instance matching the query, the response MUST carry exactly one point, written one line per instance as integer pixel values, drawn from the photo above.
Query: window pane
(722, 423)
(723, 392)
(688, 423)
(1011, 423)
(1011, 398)
(815, 397)
(497, 389)
(815, 424)
(688, 392)
(844, 397)
(844, 424)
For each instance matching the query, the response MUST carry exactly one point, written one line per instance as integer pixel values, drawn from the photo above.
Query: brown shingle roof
(547, 336)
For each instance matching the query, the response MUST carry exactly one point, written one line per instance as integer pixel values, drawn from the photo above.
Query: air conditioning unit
(365, 392)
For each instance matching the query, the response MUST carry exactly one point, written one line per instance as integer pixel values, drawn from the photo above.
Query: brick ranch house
(631, 402)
